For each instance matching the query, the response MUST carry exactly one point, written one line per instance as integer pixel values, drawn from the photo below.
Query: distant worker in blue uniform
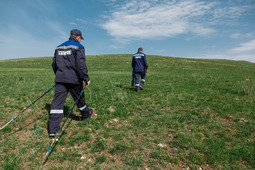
(140, 68)
(71, 71)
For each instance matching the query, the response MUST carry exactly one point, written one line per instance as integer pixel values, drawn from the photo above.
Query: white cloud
(230, 12)
(235, 35)
(161, 19)
(73, 23)
(250, 58)
(79, 20)
(242, 35)
(246, 52)
(245, 47)
(115, 46)
(150, 20)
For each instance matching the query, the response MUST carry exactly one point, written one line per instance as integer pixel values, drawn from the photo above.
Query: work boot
(87, 114)
(141, 84)
(52, 135)
(137, 88)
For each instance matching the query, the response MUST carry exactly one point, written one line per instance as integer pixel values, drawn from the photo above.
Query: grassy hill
(191, 114)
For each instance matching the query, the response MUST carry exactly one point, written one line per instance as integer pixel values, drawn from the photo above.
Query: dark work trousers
(133, 80)
(137, 78)
(57, 105)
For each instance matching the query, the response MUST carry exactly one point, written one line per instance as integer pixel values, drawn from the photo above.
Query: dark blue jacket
(139, 62)
(69, 63)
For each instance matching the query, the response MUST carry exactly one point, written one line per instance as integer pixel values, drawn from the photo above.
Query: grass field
(192, 114)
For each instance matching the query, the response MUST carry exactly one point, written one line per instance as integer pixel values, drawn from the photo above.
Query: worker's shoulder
(70, 44)
(139, 54)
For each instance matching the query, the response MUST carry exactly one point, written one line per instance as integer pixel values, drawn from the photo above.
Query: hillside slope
(192, 113)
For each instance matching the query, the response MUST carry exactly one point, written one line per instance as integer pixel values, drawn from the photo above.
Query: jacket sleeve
(54, 65)
(81, 67)
(145, 63)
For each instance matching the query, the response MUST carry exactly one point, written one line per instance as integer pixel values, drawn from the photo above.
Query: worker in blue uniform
(71, 71)
(140, 67)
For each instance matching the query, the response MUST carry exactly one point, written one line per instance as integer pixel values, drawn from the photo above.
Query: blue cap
(77, 33)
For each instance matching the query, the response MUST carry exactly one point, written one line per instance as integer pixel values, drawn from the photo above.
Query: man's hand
(146, 70)
(87, 83)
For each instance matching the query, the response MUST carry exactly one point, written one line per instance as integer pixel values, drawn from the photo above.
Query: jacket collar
(73, 39)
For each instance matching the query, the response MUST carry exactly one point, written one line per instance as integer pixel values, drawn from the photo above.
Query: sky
(209, 29)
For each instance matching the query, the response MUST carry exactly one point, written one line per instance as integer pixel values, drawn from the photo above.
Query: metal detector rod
(27, 107)
(60, 130)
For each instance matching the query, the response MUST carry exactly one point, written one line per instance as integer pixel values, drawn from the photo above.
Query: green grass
(192, 113)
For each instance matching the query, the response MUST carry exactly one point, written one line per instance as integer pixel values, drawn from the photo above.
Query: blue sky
(221, 29)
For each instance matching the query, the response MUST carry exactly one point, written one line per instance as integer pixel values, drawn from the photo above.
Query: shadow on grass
(125, 87)
(21, 128)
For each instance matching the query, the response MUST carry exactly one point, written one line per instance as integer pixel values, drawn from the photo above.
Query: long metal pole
(27, 107)
(60, 130)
